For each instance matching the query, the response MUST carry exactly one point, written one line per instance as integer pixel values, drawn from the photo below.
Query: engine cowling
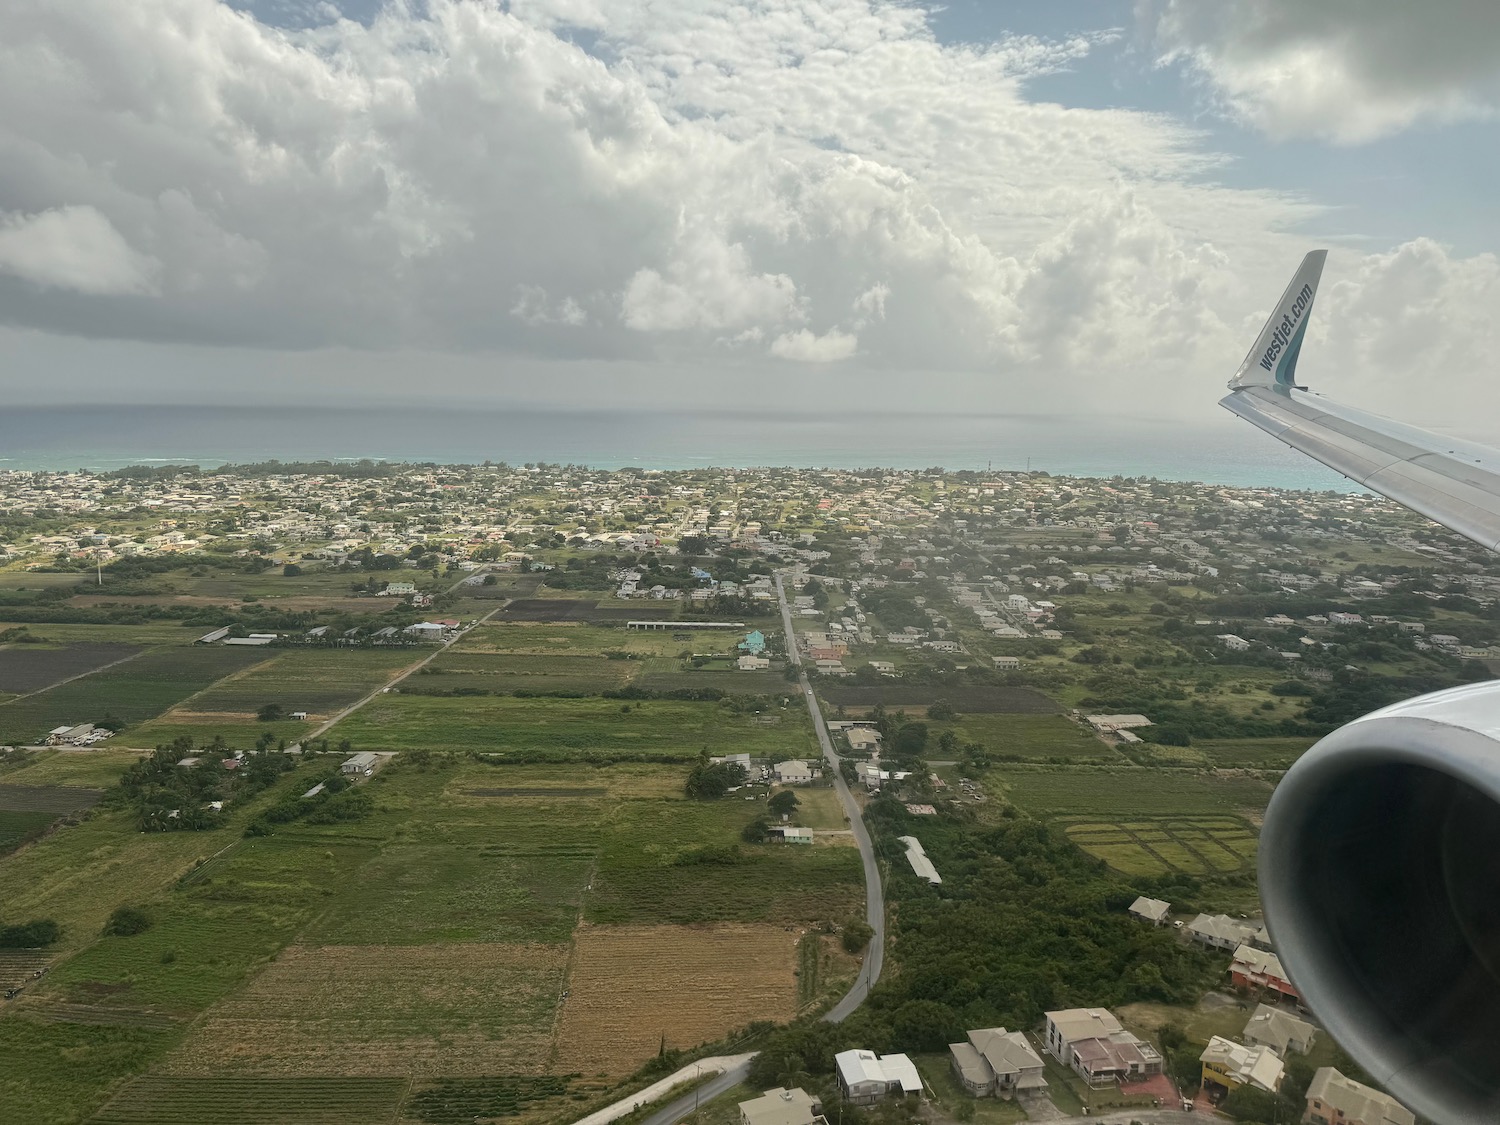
(1380, 878)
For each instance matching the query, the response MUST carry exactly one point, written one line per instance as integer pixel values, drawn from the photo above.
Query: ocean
(105, 437)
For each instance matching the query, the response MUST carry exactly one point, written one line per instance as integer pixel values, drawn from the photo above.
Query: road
(869, 969)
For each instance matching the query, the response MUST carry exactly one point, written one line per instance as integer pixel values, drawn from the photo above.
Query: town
(558, 732)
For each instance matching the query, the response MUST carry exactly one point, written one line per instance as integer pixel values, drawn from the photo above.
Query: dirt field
(633, 984)
(455, 1010)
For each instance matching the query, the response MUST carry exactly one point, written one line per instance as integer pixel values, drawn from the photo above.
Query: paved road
(869, 970)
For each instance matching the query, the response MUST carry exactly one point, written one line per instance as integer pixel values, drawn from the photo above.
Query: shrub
(30, 935)
(127, 921)
(857, 934)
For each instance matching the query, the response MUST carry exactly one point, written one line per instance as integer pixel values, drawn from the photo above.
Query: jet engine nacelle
(1380, 877)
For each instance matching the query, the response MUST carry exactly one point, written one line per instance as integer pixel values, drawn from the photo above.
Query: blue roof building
(754, 642)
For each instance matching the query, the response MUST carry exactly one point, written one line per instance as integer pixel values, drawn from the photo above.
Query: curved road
(869, 969)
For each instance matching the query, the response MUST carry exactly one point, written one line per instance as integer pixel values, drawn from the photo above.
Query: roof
(1116, 1051)
(363, 758)
(971, 1064)
(1259, 962)
(858, 1066)
(1152, 908)
(1083, 1023)
(919, 861)
(1358, 1101)
(1276, 1028)
(1006, 1051)
(781, 1107)
(1260, 1067)
(1222, 927)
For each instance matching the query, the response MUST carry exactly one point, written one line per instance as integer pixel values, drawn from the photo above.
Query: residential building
(1093, 1044)
(1007, 663)
(792, 835)
(1151, 910)
(1281, 1031)
(792, 773)
(1220, 931)
(997, 1063)
(1255, 969)
(1333, 1099)
(863, 739)
(783, 1107)
(865, 1077)
(749, 663)
(1232, 642)
(1228, 1065)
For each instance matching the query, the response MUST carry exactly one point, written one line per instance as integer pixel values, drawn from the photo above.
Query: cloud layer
(751, 182)
(1341, 70)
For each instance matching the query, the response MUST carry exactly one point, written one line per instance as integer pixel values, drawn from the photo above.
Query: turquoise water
(102, 438)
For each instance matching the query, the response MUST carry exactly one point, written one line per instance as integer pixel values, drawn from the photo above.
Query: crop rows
(461, 1101)
(28, 668)
(161, 1100)
(55, 799)
(632, 986)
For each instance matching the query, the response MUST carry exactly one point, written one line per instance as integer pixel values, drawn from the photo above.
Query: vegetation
(30, 935)
(127, 921)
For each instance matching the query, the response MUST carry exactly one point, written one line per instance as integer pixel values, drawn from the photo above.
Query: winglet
(1273, 359)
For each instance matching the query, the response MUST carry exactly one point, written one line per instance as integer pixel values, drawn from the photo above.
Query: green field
(254, 1101)
(134, 691)
(98, 767)
(505, 673)
(319, 681)
(430, 938)
(1031, 737)
(571, 639)
(1254, 753)
(1201, 845)
(579, 729)
(1129, 792)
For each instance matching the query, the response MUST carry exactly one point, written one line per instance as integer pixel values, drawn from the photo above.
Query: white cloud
(1342, 70)
(716, 183)
(73, 248)
(806, 347)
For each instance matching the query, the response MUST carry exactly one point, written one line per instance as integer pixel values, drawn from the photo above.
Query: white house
(865, 1077)
(1151, 910)
(361, 765)
(996, 1063)
(792, 773)
(782, 1107)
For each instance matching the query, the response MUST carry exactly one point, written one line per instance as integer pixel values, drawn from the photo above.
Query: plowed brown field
(632, 985)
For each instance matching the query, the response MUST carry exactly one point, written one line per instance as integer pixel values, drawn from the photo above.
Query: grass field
(581, 729)
(633, 986)
(967, 698)
(1125, 792)
(134, 691)
(502, 673)
(1254, 753)
(319, 681)
(1027, 736)
(98, 768)
(1195, 845)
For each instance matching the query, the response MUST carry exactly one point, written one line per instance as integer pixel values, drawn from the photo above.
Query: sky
(825, 205)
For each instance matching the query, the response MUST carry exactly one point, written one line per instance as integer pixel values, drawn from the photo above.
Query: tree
(30, 935)
(693, 545)
(269, 713)
(857, 934)
(291, 570)
(941, 711)
(911, 740)
(783, 803)
(127, 921)
(708, 781)
(757, 831)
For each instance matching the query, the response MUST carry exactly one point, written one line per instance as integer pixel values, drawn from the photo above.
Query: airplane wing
(1454, 483)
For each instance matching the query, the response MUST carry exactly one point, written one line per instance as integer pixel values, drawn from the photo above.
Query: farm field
(730, 682)
(633, 985)
(134, 691)
(26, 811)
(98, 767)
(967, 698)
(156, 633)
(1193, 845)
(1025, 736)
(580, 729)
(319, 681)
(26, 668)
(254, 1101)
(451, 1009)
(504, 673)
(1130, 792)
(1254, 753)
(579, 639)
